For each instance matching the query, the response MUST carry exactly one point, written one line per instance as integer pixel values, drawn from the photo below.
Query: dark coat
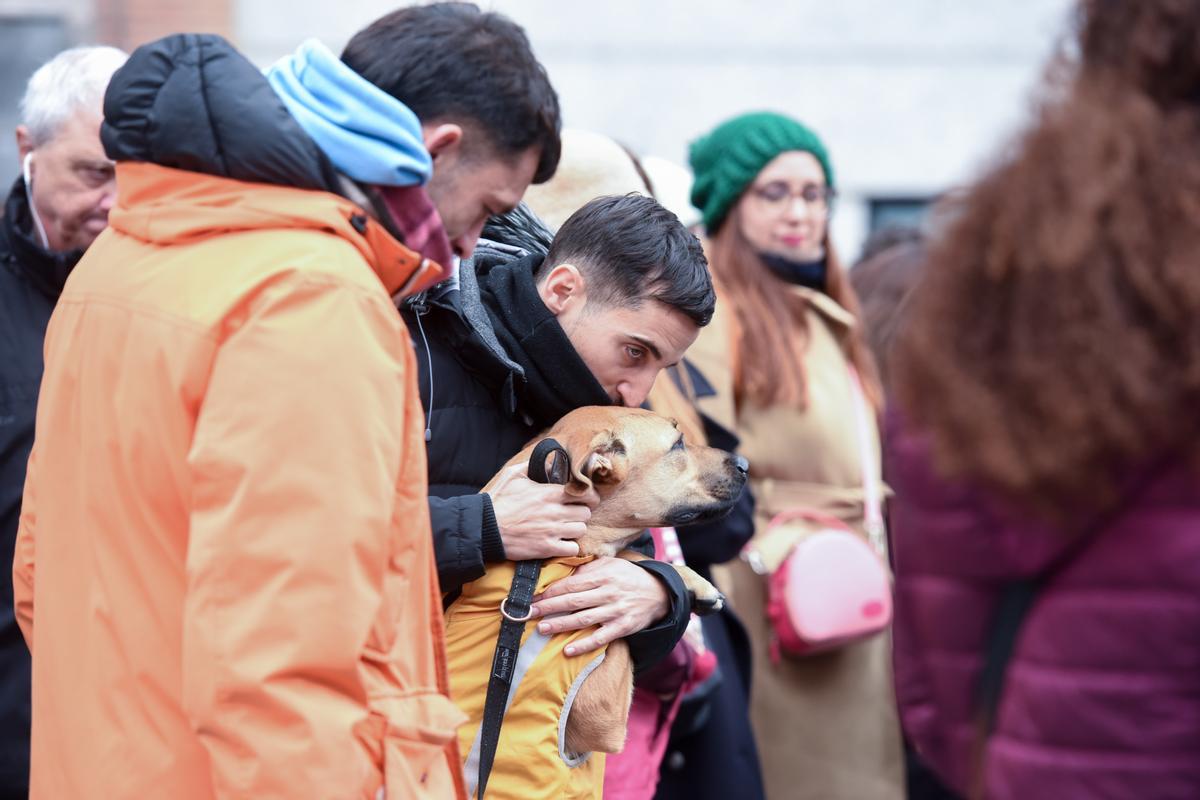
(485, 401)
(712, 753)
(31, 279)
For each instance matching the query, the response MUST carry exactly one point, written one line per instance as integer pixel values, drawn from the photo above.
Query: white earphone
(37, 221)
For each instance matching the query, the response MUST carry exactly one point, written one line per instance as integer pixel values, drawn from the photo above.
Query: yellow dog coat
(531, 758)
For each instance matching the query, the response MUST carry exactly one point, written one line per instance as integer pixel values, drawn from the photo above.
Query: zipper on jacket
(420, 308)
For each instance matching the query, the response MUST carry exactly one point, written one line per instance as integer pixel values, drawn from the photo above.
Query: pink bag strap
(872, 485)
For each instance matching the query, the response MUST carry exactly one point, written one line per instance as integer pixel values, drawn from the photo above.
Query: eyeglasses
(777, 196)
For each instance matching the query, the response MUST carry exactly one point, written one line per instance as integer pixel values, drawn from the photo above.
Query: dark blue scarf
(800, 273)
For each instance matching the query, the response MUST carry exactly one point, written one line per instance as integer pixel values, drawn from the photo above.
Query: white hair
(73, 80)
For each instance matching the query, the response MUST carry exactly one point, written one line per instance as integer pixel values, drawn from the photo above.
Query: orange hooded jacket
(224, 567)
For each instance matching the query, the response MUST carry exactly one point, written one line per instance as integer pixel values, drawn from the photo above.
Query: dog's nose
(743, 466)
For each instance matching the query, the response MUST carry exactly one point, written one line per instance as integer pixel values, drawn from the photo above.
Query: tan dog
(646, 476)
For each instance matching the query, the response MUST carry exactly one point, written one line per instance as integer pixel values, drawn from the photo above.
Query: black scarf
(812, 274)
(46, 270)
(556, 379)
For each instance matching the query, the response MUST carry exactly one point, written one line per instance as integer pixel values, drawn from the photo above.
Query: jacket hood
(192, 102)
(170, 206)
(508, 237)
(519, 230)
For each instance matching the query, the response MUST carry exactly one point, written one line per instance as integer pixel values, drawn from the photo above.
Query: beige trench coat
(826, 725)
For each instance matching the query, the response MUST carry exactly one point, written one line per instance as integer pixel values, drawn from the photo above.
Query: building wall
(128, 23)
(33, 31)
(912, 97)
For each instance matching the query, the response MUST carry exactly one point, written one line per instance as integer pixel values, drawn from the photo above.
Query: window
(898, 212)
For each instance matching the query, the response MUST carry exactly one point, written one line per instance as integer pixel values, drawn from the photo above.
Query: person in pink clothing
(1042, 441)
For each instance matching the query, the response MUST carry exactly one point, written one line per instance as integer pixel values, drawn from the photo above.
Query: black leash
(515, 612)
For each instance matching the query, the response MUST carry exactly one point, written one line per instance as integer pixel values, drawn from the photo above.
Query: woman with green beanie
(781, 352)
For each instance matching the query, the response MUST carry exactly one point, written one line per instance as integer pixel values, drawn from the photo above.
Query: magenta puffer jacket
(1102, 695)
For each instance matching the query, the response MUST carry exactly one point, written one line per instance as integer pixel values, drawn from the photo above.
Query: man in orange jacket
(224, 566)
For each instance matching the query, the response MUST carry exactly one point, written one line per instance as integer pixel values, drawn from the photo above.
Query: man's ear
(441, 138)
(24, 143)
(563, 288)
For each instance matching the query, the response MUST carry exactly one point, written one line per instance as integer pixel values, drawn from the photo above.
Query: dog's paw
(706, 598)
(706, 605)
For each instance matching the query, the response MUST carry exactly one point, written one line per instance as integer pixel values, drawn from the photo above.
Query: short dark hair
(449, 60)
(631, 248)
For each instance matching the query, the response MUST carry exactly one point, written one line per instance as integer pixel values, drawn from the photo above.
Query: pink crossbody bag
(833, 588)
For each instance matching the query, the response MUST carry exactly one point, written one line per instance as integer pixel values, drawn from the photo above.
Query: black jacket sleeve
(465, 538)
(703, 545)
(720, 541)
(649, 646)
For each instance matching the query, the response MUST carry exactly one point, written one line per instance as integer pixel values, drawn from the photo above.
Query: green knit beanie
(727, 160)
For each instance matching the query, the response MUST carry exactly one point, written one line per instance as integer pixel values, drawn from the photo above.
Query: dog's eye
(678, 444)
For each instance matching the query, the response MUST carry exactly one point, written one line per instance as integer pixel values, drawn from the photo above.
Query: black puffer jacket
(712, 752)
(31, 279)
(485, 401)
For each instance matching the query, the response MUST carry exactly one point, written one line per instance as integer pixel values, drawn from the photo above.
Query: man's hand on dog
(538, 520)
(618, 596)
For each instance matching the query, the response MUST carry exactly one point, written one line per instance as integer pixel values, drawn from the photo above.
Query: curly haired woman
(779, 354)
(1045, 439)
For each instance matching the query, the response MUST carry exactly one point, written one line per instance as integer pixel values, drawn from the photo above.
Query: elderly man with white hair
(57, 207)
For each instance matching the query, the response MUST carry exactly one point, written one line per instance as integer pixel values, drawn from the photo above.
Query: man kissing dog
(516, 342)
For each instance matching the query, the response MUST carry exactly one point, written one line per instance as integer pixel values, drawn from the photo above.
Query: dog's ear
(579, 445)
(598, 468)
(603, 464)
(595, 461)
(607, 464)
